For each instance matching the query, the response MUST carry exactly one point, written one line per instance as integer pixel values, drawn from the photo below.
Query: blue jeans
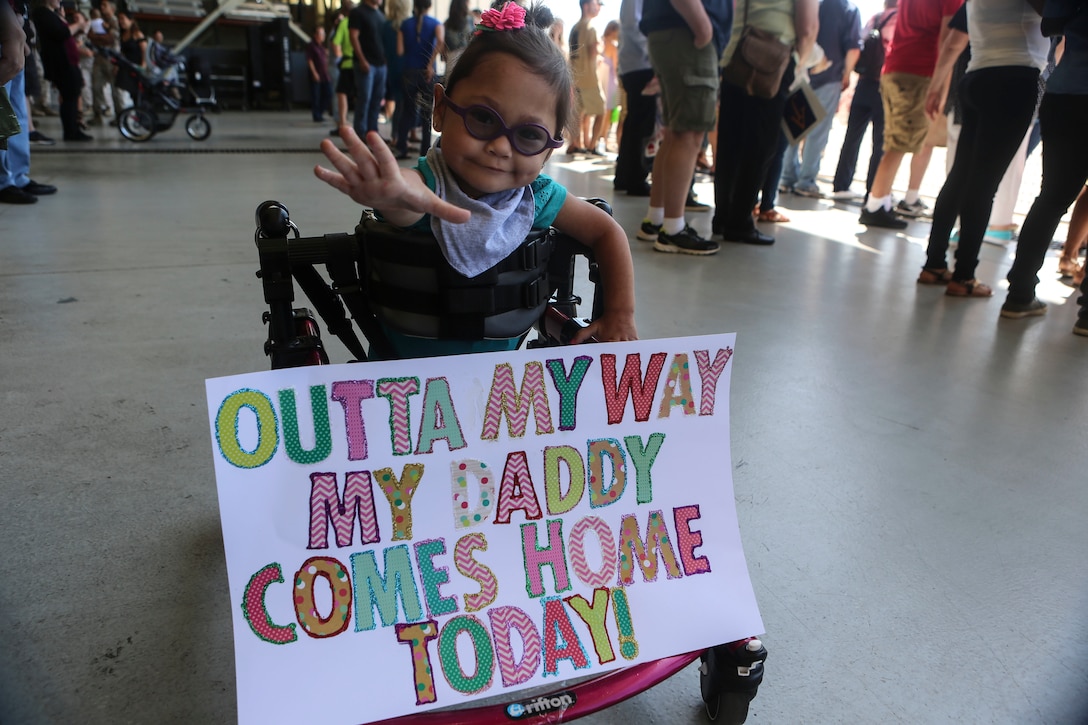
(320, 98)
(15, 162)
(369, 92)
(803, 173)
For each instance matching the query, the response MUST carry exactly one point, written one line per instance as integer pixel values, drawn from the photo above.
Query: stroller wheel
(198, 127)
(136, 124)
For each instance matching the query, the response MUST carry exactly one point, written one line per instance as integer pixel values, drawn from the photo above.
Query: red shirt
(917, 34)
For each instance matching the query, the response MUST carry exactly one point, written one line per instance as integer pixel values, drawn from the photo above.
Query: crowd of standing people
(986, 78)
(656, 72)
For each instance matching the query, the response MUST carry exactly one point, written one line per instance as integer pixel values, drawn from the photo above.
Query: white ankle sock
(876, 203)
(673, 226)
(656, 214)
(911, 197)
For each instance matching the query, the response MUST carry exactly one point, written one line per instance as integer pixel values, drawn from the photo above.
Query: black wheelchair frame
(293, 334)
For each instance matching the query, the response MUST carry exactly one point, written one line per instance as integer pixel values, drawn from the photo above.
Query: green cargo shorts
(688, 78)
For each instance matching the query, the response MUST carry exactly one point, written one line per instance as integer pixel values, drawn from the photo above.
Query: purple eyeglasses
(485, 123)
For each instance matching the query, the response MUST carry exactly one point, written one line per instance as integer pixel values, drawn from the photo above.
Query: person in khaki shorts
(920, 29)
(685, 39)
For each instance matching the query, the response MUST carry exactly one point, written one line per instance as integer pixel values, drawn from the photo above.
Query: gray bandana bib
(500, 222)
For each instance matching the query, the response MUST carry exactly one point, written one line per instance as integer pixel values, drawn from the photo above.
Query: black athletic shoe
(882, 218)
(686, 241)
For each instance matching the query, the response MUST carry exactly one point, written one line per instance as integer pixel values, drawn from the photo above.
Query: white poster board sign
(407, 535)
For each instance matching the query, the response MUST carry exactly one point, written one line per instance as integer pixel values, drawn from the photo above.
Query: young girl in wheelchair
(480, 192)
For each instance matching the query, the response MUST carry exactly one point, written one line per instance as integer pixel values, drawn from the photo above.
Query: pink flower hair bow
(510, 17)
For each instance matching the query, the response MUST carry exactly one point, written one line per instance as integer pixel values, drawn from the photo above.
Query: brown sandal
(772, 216)
(968, 288)
(935, 276)
(1067, 267)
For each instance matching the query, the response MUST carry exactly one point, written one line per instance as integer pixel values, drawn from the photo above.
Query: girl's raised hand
(370, 175)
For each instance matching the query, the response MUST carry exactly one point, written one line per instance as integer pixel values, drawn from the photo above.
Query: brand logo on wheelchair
(540, 705)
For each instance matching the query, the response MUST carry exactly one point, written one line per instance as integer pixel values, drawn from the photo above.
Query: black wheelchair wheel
(136, 124)
(198, 127)
(728, 681)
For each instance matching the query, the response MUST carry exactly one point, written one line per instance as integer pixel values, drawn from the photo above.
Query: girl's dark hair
(532, 46)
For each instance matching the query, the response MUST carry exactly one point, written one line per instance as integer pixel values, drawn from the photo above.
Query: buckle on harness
(530, 255)
(530, 293)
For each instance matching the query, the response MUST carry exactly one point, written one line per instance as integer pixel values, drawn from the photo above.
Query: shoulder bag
(759, 61)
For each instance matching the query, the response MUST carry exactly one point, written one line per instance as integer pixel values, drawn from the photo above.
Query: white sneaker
(846, 195)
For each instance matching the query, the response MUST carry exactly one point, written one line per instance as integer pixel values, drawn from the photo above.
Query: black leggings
(998, 105)
(1065, 169)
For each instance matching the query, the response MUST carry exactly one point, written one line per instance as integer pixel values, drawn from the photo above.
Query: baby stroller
(544, 273)
(156, 102)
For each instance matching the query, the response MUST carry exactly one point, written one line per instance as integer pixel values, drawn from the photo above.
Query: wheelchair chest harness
(415, 291)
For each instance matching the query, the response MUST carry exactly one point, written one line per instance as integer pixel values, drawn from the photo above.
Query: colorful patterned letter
(598, 450)
(460, 472)
(535, 558)
(433, 577)
(708, 376)
(375, 590)
(578, 560)
(472, 569)
(326, 506)
(553, 493)
(256, 613)
(226, 429)
(568, 388)
(397, 390)
(677, 388)
(516, 492)
(594, 616)
(503, 620)
(689, 540)
(632, 549)
(336, 621)
(641, 391)
(319, 408)
(560, 640)
(439, 421)
(399, 493)
(416, 636)
(643, 458)
(350, 394)
(451, 664)
(505, 398)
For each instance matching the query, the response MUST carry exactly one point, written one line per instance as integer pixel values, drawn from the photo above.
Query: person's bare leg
(341, 109)
(674, 178)
(586, 132)
(1075, 239)
(919, 162)
(598, 130)
(884, 178)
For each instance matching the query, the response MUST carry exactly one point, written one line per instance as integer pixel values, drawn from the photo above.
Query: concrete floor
(909, 468)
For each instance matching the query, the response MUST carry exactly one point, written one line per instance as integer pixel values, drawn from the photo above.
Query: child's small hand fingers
(385, 161)
(345, 164)
(447, 211)
(331, 178)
